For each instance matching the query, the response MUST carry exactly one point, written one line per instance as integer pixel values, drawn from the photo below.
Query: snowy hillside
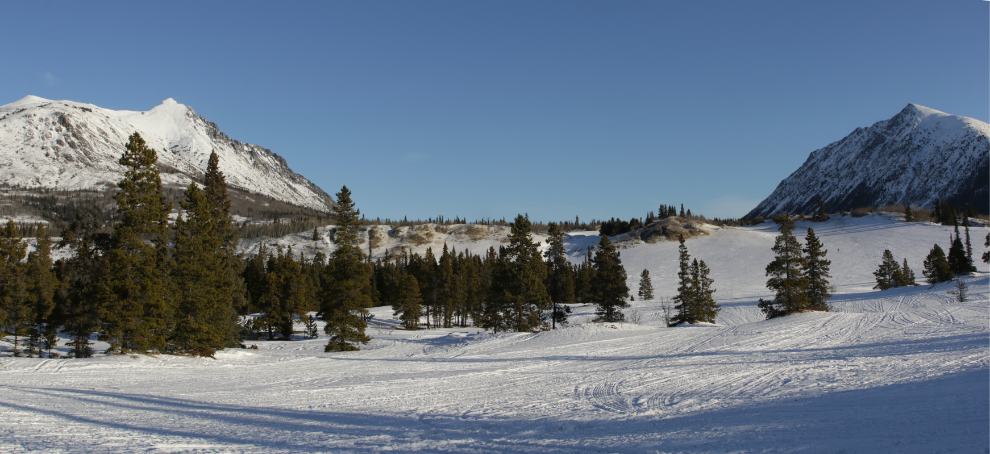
(918, 156)
(70, 145)
(899, 371)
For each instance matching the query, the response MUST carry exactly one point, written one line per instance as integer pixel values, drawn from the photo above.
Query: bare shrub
(420, 235)
(474, 232)
(672, 228)
(376, 235)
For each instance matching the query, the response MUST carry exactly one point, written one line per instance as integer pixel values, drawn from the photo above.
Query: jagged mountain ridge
(917, 157)
(75, 146)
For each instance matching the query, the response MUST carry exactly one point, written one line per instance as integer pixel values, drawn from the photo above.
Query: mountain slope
(71, 146)
(918, 156)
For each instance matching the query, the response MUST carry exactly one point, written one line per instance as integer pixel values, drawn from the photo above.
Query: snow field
(904, 370)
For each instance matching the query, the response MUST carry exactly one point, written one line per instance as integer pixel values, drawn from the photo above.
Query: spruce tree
(705, 307)
(446, 289)
(645, 286)
(408, 307)
(786, 273)
(908, 214)
(200, 275)
(138, 308)
(986, 255)
(907, 274)
(347, 292)
(82, 278)
(610, 282)
(41, 285)
(684, 301)
(234, 289)
(889, 273)
(937, 266)
(969, 248)
(560, 280)
(817, 272)
(957, 257)
(15, 310)
(528, 299)
(496, 313)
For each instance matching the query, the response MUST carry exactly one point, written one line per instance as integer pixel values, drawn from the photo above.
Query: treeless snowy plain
(900, 371)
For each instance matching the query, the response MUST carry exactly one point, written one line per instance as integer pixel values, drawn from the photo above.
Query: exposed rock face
(71, 146)
(918, 156)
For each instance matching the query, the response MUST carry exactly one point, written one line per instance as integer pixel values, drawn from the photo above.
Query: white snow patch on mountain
(71, 145)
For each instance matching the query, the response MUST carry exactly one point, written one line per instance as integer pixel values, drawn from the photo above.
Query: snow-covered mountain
(72, 146)
(918, 156)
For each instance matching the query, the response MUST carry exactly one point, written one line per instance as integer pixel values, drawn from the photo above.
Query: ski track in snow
(904, 370)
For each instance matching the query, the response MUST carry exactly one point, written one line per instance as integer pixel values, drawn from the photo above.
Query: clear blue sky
(488, 109)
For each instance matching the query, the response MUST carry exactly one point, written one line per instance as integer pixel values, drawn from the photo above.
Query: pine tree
(233, 291)
(907, 274)
(817, 272)
(82, 278)
(445, 289)
(41, 285)
(645, 286)
(408, 307)
(786, 273)
(957, 256)
(15, 310)
(970, 268)
(610, 282)
(908, 214)
(986, 255)
(560, 280)
(200, 275)
(137, 311)
(495, 315)
(347, 292)
(888, 274)
(705, 307)
(686, 288)
(528, 299)
(937, 266)
(820, 214)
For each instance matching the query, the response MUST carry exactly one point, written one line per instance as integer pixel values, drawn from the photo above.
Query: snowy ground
(904, 370)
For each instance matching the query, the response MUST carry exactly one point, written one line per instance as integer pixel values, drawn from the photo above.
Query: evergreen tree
(82, 278)
(889, 274)
(527, 298)
(820, 214)
(495, 315)
(957, 257)
(15, 309)
(137, 311)
(705, 308)
(560, 280)
(446, 289)
(645, 286)
(986, 255)
(347, 292)
(786, 273)
(407, 306)
(908, 214)
(907, 274)
(937, 266)
(686, 288)
(203, 309)
(817, 272)
(610, 282)
(233, 291)
(41, 285)
(970, 268)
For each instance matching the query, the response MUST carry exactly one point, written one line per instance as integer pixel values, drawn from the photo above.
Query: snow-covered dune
(899, 371)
